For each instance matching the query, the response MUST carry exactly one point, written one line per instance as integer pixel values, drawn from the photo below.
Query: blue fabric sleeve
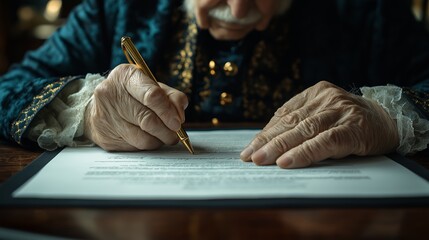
(76, 48)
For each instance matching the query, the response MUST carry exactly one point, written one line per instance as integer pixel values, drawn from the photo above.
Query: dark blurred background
(25, 24)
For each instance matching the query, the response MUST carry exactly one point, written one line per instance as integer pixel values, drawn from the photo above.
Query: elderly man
(229, 60)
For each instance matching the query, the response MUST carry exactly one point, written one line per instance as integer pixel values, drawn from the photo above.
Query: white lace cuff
(61, 123)
(413, 130)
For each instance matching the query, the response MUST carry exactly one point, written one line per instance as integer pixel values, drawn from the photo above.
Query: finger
(136, 114)
(310, 94)
(110, 141)
(202, 18)
(138, 138)
(148, 93)
(305, 130)
(333, 143)
(295, 103)
(285, 123)
(178, 98)
(102, 130)
(202, 12)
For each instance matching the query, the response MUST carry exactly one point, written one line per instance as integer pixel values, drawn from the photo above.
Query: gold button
(212, 66)
(225, 98)
(215, 121)
(230, 69)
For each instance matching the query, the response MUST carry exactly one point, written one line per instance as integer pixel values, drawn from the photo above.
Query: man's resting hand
(324, 121)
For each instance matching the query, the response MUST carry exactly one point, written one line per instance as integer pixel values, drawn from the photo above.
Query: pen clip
(133, 56)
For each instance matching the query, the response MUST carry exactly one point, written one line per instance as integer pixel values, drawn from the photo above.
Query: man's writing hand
(324, 121)
(130, 112)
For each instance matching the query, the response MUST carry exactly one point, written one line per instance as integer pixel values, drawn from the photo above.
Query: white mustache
(223, 13)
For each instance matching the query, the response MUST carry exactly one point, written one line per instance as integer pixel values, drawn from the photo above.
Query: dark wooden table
(145, 223)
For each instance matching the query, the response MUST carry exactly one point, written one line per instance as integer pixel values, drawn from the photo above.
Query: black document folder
(12, 184)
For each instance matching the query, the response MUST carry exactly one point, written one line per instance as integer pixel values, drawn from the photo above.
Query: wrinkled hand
(324, 121)
(130, 112)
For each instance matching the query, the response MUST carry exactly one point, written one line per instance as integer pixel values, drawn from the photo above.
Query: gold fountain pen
(134, 57)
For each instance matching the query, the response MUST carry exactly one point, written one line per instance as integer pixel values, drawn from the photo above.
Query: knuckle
(123, 73)
(279, 144)
(309, 127)
(123, 67)
(356, 109)
(153, 94)
(261, 139)
(324, 84)
(337, 94)
(335, 138)
(339, 139)
(290, 119)
(102, 91)
(120, 68)
(332, 91)
(281, 111)
(357, 114)
(148, 120)
(307, 157)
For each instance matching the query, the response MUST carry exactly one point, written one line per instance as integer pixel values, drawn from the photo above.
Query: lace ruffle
(61, 123)
(413, 130)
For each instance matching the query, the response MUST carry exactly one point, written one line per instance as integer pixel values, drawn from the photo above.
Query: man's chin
(228, 35)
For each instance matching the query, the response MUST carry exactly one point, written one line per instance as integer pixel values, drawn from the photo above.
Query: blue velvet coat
(350, 43)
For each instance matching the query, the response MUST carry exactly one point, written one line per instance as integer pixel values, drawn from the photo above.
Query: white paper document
(214, 172)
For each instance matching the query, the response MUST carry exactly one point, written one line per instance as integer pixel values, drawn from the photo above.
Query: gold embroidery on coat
(39, 101)
(256, 88)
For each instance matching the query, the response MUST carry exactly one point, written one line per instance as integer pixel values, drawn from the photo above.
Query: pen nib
(188, 145)
(183, 136)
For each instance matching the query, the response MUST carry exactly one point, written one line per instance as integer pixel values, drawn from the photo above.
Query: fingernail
(260, 157)
(246, 153)
(284, 162)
